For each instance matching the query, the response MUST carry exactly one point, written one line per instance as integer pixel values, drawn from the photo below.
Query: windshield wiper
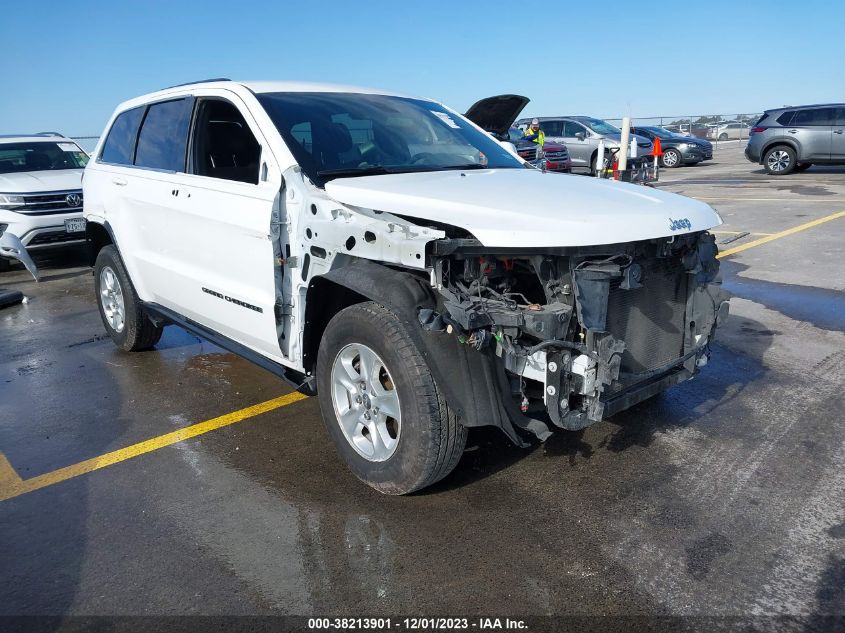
(374, 170)
(465, 167)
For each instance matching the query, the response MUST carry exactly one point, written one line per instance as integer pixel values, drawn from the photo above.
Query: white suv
(40, 196)
(384, 253)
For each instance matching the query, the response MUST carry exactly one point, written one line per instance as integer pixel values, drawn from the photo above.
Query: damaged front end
(575, 335)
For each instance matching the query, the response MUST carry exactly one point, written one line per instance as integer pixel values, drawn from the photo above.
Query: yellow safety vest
(541, 137)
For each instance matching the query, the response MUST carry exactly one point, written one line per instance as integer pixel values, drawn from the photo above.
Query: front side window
(571, 128)
(41, 156)
(119, 147)
(164, 136)
(816, 116)
(336, 135)
(223, 145)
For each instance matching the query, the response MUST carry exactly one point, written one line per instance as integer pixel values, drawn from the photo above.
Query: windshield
(600, 127)
(40, 156)
(335, 135)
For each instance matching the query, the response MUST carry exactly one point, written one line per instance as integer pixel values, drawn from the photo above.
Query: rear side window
(817, 116)
(164, 136)
(120, 142)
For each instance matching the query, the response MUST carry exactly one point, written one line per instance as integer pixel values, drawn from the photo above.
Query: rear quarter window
(163, 139)
(120, 142)
(785, 118)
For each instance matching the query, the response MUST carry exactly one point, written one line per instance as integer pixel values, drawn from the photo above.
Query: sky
(66, 64)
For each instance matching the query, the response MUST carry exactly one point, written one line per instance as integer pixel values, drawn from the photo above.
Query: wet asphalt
(723, 496)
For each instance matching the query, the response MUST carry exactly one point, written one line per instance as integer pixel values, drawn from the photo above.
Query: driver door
(580, 149)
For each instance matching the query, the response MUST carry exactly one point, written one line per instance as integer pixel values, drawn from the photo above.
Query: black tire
(5, 265)
(779, 160)
(723, 137)
(430, 441)
(594, 168)
(671, 154)
(803, 166)
(138, 332)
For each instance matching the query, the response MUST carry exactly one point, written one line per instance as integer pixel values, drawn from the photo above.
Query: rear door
(149, 201)
(837, 139)
(812, 129)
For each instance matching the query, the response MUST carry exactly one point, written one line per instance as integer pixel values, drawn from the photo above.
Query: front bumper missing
(12, 248)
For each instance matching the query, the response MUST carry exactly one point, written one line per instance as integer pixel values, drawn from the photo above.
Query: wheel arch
(791, 143)
(97, 236)
(467, 377)
(361, 281)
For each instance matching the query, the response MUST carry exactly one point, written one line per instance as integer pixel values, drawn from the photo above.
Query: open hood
(529, 208)
(497, 114)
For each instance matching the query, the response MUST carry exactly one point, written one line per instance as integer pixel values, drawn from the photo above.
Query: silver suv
(794, 139)
(581, 135)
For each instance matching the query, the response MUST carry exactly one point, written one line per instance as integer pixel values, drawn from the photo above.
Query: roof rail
(200, 81)
(31, 134)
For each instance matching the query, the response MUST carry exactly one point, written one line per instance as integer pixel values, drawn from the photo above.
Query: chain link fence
(713, 127)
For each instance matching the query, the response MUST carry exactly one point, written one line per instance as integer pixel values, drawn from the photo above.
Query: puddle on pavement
(823, 308)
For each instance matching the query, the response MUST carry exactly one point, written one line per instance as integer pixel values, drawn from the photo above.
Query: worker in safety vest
(534, 133)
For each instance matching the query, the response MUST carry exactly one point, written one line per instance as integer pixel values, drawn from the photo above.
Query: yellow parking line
(11, 485)
(737, 233)
(776, 236)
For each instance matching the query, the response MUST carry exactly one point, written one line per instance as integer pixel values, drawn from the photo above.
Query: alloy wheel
(366, 403)
(111, 298)
(778, 160)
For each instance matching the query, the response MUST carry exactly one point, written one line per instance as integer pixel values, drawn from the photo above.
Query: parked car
(728, 131)
(582, 135)
(553, 157)
(677, 150)
(496, 116)
(385, 254)
(40, 196)
(698, 130)
(793, 139)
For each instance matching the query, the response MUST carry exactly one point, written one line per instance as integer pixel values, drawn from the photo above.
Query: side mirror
(580, 136)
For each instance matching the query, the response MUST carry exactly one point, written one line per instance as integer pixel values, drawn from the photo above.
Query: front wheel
(381, 406)
(779, 160)
(672, 158)
(120, 308)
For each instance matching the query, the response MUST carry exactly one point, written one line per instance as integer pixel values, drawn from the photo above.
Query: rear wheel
(387, 417)
(120, 308)
(5, 265)
(723, 137)
(779, 160)
(672, 158)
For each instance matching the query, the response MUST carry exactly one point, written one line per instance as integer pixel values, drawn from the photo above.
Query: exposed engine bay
(582, 332)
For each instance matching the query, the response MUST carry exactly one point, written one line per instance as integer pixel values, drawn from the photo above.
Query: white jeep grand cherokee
(40, 196)
(386, 254)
